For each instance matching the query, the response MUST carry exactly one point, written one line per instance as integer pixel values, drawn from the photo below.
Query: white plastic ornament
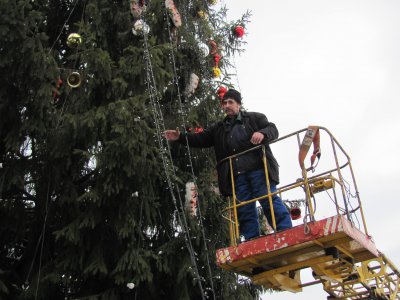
(205, 50)
(140, 27)
(173, 13)
(130, 285)
(193, 84)
(191, 198)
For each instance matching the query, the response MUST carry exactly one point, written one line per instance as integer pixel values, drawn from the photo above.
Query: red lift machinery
(338, 249)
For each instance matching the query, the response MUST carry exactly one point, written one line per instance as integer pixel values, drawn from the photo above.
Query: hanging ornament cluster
(139, 27)
(216, 57)
(238, 31)
(221, 92)
(74, 40)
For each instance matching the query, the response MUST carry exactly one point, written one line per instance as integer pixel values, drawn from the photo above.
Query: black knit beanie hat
(233, 94)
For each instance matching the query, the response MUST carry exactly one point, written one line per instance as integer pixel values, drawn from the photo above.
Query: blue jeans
(252, 185)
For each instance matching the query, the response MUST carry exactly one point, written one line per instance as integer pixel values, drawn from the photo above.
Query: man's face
(230, 107)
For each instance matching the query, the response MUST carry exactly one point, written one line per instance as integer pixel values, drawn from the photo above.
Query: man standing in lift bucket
(240, 131)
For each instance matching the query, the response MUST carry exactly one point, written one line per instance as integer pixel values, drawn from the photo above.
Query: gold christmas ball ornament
(212, 2)
(74, 40)
(216, 72)
(202, 14)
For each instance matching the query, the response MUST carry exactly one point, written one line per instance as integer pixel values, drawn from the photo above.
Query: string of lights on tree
(165, 152)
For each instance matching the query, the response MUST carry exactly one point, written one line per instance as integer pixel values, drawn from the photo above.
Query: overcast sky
(335, 64)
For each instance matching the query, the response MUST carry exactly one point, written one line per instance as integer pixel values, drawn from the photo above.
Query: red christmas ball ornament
(217, 57)
(295, 213)
(59, 83)
(221, 92)
(195, 130)
(56, 91)
(198, 130)
(238, 31)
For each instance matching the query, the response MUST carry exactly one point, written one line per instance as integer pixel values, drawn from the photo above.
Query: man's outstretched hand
(172, 135)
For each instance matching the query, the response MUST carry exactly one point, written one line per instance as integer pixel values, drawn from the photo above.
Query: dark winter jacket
(232, 136)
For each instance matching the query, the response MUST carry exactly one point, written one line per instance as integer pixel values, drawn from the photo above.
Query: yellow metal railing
(310, 184)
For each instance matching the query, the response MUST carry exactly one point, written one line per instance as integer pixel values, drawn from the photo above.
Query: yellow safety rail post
(340, 176)
(271, 205)
(231, 220)
(236, 223)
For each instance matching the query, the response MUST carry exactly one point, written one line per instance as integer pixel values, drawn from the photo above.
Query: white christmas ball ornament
(204, 49)
(130, 285)
(140, 27)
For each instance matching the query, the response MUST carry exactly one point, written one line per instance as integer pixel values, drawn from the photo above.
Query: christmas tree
(92, 202)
